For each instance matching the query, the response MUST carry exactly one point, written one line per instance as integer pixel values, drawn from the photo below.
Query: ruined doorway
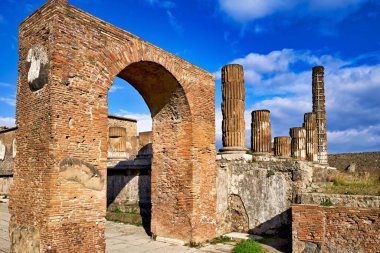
(170, 113)
(61, 114)
(129, 156)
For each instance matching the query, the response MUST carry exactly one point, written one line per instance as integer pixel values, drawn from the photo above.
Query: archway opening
(143, 165)
(129, 154)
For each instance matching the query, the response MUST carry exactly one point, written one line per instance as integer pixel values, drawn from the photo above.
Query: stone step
(242, 236)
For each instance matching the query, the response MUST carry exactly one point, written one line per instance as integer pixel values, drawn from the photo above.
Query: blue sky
(277, 42)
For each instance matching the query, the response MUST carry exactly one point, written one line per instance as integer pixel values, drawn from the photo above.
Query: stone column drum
(310, 125)
(282, 146)
(233, 125)
(319, 108)
(298, 144)
(261, 136)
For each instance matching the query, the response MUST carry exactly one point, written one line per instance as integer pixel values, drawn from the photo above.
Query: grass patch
(353, 185)
(194, 245)
(268, 239)
(117, 210)
(220, 239)
(126, 218)
(248, 246)
(326, 202)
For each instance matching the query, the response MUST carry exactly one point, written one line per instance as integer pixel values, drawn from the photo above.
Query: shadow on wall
(277, 237)
(129, 190)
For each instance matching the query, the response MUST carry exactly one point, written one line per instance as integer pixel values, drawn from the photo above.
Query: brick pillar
(310, 125)
(282, 146)
(319, 108)
(298, 144)
(233, 125)
(261, 136)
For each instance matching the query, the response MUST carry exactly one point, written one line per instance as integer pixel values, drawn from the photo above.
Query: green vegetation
(194, 245)
(268, 239)
(326, 202)
(117, 210)
(126, 217)
(248, 246)
(249, 152)
(220, 239)
(270, 173)
(353, 185)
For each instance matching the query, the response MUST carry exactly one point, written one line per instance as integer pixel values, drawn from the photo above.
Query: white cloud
(355, 140)
(168, 6)
(8, 101)
(162, 4)
(115, 88)
(7, 85)
(174, 23)
(281, 82)
(8, 122)
(144, 121)
(248, 10)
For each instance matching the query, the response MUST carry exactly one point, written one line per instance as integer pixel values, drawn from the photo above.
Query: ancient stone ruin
(233, 124)
(78, 160)
(319, 108)
(62, 132)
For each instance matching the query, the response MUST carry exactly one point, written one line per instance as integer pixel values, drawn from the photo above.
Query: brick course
(335, 229)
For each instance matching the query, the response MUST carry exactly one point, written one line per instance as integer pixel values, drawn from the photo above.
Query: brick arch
(171, 123)
(62, 149)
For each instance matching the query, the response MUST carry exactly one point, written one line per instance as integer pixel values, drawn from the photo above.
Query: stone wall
(335, 229)
(368, 161)
(128, 143)
(256, 196)
(7, 155)
(128, 123)
(7, 151)
(129, 190)
(341, 200)
(5, 183)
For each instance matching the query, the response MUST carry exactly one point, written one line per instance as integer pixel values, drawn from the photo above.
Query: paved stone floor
(120, 238)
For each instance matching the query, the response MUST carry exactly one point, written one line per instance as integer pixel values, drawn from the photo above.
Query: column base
(232, 150)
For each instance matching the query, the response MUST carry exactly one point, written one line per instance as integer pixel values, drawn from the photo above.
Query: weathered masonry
(319, 108)
(7, 155)
(68, 61)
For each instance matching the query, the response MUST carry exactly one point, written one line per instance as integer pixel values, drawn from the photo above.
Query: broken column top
(261, 110)
(232, 72)
(297, 132)
(233, 65)
(264, 114)
(59, 1)
(310, 116)
(318, 70)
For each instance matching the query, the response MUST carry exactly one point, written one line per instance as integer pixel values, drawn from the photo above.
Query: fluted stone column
(261, 137)
(310, 125)
(233, 125)
(319, 109)
(298, 143)
(282, 146)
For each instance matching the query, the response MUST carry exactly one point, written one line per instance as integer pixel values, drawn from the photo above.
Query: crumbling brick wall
(335, 229)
